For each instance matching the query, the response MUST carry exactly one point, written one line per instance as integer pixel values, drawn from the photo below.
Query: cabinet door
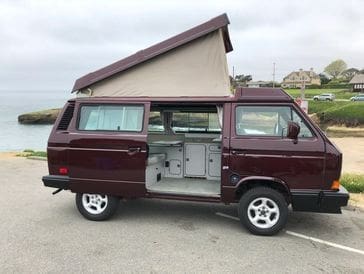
(214, 164)
(175, 167)
(195, 160)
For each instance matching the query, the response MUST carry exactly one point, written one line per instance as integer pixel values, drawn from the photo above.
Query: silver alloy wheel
(94, 203)
(263, 212)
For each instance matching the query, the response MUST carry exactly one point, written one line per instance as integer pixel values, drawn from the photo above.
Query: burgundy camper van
(257, 149)
(162, 123)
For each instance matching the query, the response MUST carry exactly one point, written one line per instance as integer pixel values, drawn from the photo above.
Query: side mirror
(293, 131)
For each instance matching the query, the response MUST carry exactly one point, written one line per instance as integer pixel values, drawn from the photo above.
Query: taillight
(63, 170)
(335, 185)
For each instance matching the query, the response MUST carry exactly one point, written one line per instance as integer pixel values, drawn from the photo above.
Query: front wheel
(96, 207)
(263, 211)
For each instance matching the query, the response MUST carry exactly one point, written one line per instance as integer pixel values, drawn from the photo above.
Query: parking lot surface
(42, 233)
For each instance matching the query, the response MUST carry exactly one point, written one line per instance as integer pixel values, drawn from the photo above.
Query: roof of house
(219, 22)
(307, 72)
(357, 79)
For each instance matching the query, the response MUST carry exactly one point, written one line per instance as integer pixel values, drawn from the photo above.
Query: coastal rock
(43, 117)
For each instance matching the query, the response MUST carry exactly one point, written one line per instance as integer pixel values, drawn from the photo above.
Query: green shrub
(313, 86)
(39, 153)
(337, 86)
(350, 114)
(353, 182)
(30, 152)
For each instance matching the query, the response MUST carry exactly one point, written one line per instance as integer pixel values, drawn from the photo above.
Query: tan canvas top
(194, 65)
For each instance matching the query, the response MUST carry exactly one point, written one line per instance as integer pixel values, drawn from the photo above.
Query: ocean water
(17, 137)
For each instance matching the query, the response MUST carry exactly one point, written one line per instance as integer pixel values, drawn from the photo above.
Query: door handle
(134, 150)
(238, 152)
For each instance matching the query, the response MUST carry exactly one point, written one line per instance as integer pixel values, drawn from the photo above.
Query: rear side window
(195, 122)
(268, 121)
(111, 117)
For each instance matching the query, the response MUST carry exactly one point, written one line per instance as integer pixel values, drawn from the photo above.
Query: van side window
(262, 120)
(111, 118)
(195, 122)
(155, 122)
(268, 121)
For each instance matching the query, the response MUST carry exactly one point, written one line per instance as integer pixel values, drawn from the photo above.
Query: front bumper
(56, 181)
(322, 201)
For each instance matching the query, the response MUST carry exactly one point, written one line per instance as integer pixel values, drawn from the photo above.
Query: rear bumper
(322, 201)
(56, 181)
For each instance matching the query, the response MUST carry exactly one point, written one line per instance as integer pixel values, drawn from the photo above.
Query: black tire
(107, 209)
(268, 194)
(315, 99)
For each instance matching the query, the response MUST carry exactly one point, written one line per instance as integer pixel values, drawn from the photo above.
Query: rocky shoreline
(43, 117)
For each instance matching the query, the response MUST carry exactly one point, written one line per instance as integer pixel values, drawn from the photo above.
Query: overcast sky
(48, 44)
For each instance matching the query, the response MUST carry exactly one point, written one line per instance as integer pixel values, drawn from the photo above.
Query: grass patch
(30, 152)
(353, 182)
(322, 106)
(351, 114)
(338, 113)
(309, 93)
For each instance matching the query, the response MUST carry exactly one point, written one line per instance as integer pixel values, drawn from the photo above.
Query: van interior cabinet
(214, 165)
(174, 168)
(174, 158)
(195, 160)
(213, 162)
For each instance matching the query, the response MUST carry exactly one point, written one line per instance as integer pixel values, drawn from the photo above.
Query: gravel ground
(44, 233)
(353, 153)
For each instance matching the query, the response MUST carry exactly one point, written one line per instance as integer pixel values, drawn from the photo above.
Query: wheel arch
(253, 181)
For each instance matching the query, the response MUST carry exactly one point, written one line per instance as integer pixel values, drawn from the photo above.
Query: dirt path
(5, 155)
(353, 153)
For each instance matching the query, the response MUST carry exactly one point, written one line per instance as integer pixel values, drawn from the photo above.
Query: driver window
(268, 121)
(305, 132)
(262, 120)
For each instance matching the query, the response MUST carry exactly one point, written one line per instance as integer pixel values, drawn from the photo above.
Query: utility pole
(233, 72)
(274, 72)
(303, 86)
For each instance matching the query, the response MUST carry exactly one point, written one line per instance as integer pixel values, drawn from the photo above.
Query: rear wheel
(96, 207)
(315, 99)
(263, 211)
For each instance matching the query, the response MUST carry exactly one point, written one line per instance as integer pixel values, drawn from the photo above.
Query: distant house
(257, 84)
(297, 78)
(357, 83)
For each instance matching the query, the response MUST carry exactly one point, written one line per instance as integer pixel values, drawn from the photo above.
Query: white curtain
(220, 110)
